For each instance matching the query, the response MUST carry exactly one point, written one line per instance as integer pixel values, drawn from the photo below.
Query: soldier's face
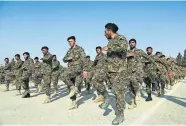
(149, 51)
(54, 58)
(98, 51)
(36, 60)
(44, 51)
(132, 44)
(71, 42)
(6, 60)
(17, 58)
(107, 34)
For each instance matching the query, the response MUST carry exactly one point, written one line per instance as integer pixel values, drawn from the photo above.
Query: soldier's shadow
(62, 93)
(85, 97)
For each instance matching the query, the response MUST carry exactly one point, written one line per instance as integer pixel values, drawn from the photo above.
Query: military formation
(117, 69)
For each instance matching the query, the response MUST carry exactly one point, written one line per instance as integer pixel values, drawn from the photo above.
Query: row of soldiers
(118, 69)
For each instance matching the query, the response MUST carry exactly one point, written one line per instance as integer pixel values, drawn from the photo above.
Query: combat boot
(99, 99)
(72, 91)
(47, 100)
(106, 102)
(162, 92)
(158, 94)
(73, 106)
(131, 106)
(119, 119)
(149, 98)
(137, 98)
(26, 94)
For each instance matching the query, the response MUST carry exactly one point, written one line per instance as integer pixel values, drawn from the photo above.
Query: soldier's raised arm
(66, 57)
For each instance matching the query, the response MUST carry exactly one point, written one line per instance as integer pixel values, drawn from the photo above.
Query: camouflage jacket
(162, 65)
(7, 67)
(100, 62)
(1, 69)
(28, 67)
(37, 67)
(116, 53)
(55, 65)
(17, 67)
(134, 63)
(76, 59)
(47, 64)
(90, 63)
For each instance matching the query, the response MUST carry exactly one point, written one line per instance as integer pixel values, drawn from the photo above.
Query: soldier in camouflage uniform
(117, 69)
(162, 73)
(37, 75)
(18, 73)
(46, 72)
(13, 71)
(151, 78)
(55, 73)
(77, 63)
(98, 74)
(2, 77)
(8, 73)
(27, 69)
(87, 84)
(135, 71)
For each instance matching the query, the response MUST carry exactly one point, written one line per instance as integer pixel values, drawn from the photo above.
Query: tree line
(181, 60)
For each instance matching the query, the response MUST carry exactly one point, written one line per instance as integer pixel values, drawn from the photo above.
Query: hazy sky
(27, 26)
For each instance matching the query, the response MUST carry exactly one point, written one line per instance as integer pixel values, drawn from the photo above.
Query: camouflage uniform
(47, 72)
(13, 71)
(18, 74)
(87, 84)
(98, 74)
(117, 73)
(77, 63)
(55, 74)
(8, 75)
(37, 75)
(135, 72)
(27, 68)
(2, 76)
(151, 77)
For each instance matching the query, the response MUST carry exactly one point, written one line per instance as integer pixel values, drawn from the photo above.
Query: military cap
(36, 58)
(26, 53)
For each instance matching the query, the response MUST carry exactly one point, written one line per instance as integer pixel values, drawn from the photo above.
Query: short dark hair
(148, 48)
(6, 58)
(17, 55)
(98, 47)
(87, 56)
(71, 37)
(53, 55)
(158, 53)
(111, 26)
(26, 53)
(134, 40)
(45, 47)
(36, 58)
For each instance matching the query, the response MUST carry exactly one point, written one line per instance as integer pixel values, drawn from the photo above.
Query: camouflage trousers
(47, 82)
(162, 80)
(55, 79)
(24, 80)
(73, 77)
(18, 82)
(98, 78)
(150, 80)
(37, 78)
(8, 79)
(133, 85)
(118, 82)
(2, 78)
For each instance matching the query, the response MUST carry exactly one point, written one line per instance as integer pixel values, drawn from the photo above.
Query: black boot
(162, 92)
(119, 119)
(106, 102)
(149, 98)
(26, 94)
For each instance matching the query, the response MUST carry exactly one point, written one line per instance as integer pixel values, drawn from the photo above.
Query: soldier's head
(17, 56)
(36, 59)
(72, 41)
(88, 58)
(26, 55)
(6, 60)
(44, 50)
(132, 43)
(54, 57)
(110, 30)
(149, 50)
(98, 50)
(158, 54)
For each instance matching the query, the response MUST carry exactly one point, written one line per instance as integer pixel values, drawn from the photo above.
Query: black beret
(45, 47)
